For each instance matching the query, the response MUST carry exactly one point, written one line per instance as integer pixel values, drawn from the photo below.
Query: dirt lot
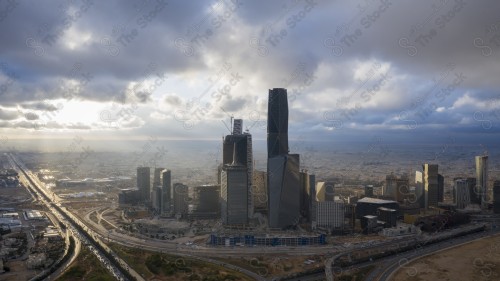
(478, 260)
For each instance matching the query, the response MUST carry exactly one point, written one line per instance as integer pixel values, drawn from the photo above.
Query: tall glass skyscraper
(144, 182)
(283, 174)
(482, 179)
(277, 123)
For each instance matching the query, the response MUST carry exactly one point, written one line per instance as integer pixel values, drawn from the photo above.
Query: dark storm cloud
(322, 51)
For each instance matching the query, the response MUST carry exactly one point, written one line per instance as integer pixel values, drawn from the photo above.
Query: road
(390, 266)
(72, 223)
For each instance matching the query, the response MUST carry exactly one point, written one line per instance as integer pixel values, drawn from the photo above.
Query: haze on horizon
(402, 71)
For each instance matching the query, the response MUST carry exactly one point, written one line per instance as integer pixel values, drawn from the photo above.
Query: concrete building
(474, 191)
(144, 182)
(419, 188)
(325, 191)
(496, 197)
(307, 183)
(329, 214)
(431, 187)
(388, 216)
(259, 191)
(166, 186)
(234, 192)
(482, 178)
(368, 190)
(369, 206)
(129, 196)
(240, 142)
(461, 193)
(206, 202)
(397, 188)
(181, 198)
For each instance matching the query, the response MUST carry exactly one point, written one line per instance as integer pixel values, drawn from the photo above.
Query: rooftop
(375, 201)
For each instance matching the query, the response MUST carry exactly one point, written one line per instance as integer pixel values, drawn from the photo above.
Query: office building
(241, 144)
(259, 191)
(388, 216)
(166, 185)
(306, 182)
(330, 214)
(369, 206)
(461, 193)
(284, 190)
(277, 123)
(440, 188)
(397, 188)
(325, 191)
(496, 197)
(234, 192)
(430, 177)
(283, 176)
(419, 189)
(482, 179)
(144, 182)
(474, 191)
(156, 199)
(206, 202)
(368, 190)
(181, 200)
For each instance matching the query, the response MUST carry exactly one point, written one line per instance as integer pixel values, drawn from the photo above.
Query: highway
(117, 267)
(388, 267)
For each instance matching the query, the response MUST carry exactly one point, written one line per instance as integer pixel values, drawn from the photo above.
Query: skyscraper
(440, 188)
(496, 197)
(234, 192)
(475, 197)
(482, 178)
(181, 198)
(307, 182)
(277, 123)
(431, 185)
(144, 182)
(462, 195)
(419, 189)
(397, 188)
(241, 143)
(166, 186)
(283, 175)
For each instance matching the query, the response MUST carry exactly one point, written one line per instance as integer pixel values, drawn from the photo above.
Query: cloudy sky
(404, 70)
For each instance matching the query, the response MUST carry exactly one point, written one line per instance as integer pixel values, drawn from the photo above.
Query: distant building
(307, 183)
(325, 191)
(369, 206)
(129, 197)
(166, 185)
(431, 185)
(387, 215)
(181, 198)
(474, 191)
(234, 192)
(206, 202)
(496, 197)
(330, 214)
(440, 188)
(368, 190)
(419, 189)
(482, 178)
(260, 191)
(144, 182)
(240, 142)
(397, 188)
(156, 199)
(461, 193)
